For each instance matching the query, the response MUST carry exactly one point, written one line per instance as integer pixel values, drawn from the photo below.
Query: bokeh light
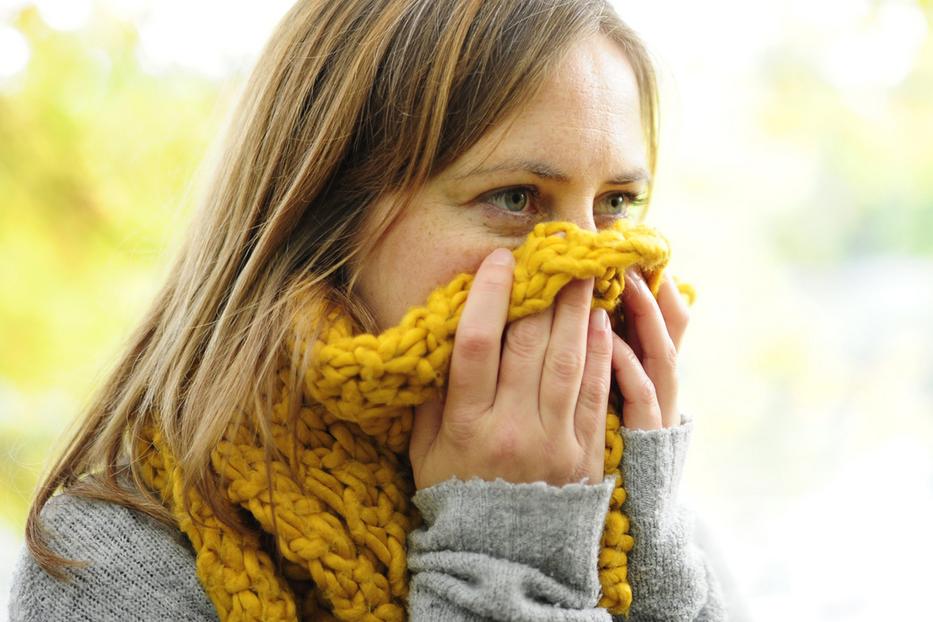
(14, 52)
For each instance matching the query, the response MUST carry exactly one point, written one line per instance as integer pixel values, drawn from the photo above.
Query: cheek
(421, 268)
(411, 266)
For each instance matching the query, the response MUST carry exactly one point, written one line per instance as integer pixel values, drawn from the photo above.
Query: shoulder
(138, 568)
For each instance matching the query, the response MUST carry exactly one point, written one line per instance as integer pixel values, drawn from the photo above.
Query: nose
(579, 211)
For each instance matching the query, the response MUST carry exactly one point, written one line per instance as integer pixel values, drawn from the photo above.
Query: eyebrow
(546, 171)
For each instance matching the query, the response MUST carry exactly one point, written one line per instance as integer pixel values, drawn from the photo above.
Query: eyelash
(634, 200)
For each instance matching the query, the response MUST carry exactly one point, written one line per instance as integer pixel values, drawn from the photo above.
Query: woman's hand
(534, 409)
(645, 363)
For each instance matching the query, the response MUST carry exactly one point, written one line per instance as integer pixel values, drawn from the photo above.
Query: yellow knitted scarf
(341, 526)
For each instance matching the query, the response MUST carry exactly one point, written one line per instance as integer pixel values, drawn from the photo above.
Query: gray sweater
(487, 551)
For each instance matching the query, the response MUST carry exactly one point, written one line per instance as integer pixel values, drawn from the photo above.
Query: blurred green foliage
(873, 151)
(95, 159)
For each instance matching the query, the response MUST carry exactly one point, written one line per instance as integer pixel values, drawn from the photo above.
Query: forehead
(584, 118)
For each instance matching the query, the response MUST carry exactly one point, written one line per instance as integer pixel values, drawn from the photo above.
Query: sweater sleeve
(672, 579)
(505, 551)
(139, 569)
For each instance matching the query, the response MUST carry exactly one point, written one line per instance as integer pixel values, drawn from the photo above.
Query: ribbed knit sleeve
(496, 550)
(140, 569)
(672, 579)
(527, 552)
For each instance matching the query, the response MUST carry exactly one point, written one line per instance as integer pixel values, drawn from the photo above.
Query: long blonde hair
(350, 101)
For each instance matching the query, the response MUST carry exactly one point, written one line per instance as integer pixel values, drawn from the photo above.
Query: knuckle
(505, 447)
(522, 338)
(600, 344)
(602, 351)
(474, 344)
(461, 432)
(669, 355)
(589, 432)
(565, 363)
(575, 308)
(594, 392)
(646, 393)
(576, 305)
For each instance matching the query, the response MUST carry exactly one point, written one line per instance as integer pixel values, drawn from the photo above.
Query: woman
(381, 149)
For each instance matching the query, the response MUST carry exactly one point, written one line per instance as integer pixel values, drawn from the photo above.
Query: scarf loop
(342, 527)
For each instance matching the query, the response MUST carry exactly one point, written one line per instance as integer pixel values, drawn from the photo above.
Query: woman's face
(574, 152)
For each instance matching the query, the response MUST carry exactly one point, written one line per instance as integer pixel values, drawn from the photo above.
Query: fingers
(631, 335)
(628, 327)
(640, 409)
(674, 308)
(526, 342)
(566, 355)
(424, 429)
(474, 363)
(658, 354)
(593, 401)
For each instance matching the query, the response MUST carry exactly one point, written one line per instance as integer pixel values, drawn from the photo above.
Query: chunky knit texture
(342, 524)
(488, 550)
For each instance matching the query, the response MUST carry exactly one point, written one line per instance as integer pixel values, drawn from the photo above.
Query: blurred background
(795, 183)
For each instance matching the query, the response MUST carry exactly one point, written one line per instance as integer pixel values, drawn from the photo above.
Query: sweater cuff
(556, 530)
(652, 465)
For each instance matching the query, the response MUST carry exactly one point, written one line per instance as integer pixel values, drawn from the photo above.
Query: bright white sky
(854, 45)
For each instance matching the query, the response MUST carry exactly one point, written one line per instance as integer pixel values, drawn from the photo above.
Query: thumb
(424, 429)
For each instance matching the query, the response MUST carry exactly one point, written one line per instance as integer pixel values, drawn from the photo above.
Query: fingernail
(502, 257)
(599, 320)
